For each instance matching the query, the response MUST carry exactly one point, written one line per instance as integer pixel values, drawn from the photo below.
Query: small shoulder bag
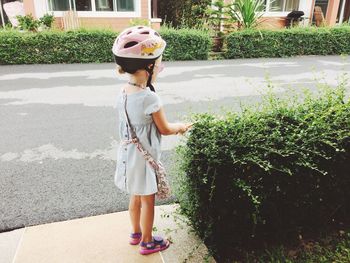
(162, 182)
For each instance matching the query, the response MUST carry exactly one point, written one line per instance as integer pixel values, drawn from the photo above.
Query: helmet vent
(145, 33)
(140, 27)
(128, 32)
(130, 44)
(156, 34)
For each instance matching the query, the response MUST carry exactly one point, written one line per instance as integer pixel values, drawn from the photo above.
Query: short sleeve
(152, 103)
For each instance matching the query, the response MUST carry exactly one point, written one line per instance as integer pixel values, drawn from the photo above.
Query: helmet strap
(150, 71)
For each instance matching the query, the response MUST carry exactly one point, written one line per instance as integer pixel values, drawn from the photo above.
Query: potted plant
(216, 17)
(28, 23)
(46, 21)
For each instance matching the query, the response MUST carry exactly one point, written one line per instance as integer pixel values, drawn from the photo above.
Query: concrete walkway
(101, 238)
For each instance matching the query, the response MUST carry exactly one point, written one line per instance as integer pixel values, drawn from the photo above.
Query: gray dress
(133, 174)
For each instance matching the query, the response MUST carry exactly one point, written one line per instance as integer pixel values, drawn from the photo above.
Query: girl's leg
(135, 212)
(147, 216)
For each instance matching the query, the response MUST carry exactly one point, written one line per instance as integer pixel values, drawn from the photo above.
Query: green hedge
(89, 46)
(288, 42)
(56, 47)
(186, 44)
(267, 175)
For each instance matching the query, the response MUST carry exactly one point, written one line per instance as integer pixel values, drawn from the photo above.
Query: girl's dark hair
(131, 65)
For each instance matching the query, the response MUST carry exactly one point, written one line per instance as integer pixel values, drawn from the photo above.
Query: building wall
(116, 24)
(145, 12)
(29, 7)
(332, 11)
(312, 9)
(113, 23)
(273, 22)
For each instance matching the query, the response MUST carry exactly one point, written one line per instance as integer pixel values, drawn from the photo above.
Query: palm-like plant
(247, 13)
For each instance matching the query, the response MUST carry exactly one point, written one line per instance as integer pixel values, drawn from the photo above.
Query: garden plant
(217, 18)
(184, 13)
(247, 14)
(29, 23)
(269, 174)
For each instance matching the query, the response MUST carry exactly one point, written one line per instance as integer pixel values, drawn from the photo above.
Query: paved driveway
(59, 126)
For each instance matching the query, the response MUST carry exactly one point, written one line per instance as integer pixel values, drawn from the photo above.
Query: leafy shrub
(184, 13)
(28, 22)
(90, 46)
(288, 42)
(186, 44)
(267, 174)
(56, 47)
(47, 20)
(247, 13)
(334, 247)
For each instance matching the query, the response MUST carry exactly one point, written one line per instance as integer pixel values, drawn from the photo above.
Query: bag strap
(135, 140)
(132, 132)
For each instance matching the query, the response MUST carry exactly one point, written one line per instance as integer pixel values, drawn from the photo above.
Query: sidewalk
(101, 238)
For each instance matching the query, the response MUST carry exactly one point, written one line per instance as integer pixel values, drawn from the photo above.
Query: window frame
(103, 14)
(269, 13)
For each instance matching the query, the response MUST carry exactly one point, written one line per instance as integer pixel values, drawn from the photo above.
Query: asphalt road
(59, 125)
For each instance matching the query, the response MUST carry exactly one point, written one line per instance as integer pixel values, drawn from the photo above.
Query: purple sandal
(158, 244)
(135, 238)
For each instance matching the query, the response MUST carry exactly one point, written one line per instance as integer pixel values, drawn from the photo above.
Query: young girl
(138, 51)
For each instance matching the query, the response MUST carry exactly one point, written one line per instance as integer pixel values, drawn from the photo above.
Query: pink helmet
(140, 42)
(138, 47)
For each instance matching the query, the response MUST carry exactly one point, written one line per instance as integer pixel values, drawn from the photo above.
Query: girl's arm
(166, 128)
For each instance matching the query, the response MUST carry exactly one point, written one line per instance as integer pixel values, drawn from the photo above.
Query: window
(323, 4)
(83, 5)
(292, 5)
(59, 5)
(125, 5)
(282, 5)
(105, 5)
(92, 5)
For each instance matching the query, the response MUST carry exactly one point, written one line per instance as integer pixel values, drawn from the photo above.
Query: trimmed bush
(288, 42)
(90, 46)
(186, 44)
(56, 47)
(267, 175)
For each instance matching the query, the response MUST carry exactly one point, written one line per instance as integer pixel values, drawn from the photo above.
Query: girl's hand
(184, 127)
